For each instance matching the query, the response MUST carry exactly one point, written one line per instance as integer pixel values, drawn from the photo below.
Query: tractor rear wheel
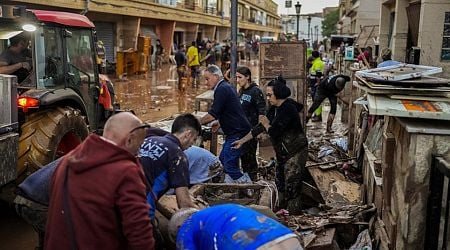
(48, 135)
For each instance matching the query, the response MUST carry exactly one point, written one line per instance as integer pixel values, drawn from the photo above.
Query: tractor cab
(61, 96)
(61, 52)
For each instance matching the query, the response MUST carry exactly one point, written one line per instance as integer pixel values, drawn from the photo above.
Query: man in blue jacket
(227, 110)
(229, 226)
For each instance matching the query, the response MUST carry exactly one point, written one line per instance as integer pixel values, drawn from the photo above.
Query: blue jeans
(230, 159)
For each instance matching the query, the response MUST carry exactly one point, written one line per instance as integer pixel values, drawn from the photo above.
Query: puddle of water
(157, 96)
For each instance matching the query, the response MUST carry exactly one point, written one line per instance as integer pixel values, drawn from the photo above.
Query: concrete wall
(130, 31)
(165, 32)
(430, 33)
(385, 20)
(400, 33)
(410, 182)
(368, 14)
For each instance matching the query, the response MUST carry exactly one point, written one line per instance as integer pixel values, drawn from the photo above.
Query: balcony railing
(210, 10)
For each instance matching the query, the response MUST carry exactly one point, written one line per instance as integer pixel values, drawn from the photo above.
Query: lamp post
(309, 29)
(316, 29)
(298, 7)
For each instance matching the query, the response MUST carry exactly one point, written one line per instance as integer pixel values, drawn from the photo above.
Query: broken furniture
(402, 170)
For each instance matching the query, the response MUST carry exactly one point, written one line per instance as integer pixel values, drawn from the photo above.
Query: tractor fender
(48, 97)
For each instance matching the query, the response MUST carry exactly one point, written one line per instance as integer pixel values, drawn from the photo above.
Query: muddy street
(156, 96)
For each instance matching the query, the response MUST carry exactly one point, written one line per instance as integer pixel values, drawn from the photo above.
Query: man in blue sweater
(229, 226)
(227, 109)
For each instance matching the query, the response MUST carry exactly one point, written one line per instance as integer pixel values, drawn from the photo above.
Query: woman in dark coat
(283, 125)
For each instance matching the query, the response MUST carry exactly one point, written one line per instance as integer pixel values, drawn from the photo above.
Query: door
(106, 34)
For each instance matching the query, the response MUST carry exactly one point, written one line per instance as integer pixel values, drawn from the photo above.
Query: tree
(329, 23)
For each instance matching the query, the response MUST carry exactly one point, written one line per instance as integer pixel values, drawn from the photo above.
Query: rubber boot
(329, 123)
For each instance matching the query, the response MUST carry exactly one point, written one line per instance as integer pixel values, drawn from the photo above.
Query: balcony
(210, 10)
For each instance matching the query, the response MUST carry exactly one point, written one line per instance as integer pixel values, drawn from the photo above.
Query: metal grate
(437, 230)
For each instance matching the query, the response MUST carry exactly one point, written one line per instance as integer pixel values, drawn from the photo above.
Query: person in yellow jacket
(193, 62)
(315, 75)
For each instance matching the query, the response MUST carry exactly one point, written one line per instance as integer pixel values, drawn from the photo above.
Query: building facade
(357, 14)
(417, 31)
(174, 22)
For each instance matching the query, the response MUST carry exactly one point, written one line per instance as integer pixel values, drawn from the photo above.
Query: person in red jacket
(98, 192)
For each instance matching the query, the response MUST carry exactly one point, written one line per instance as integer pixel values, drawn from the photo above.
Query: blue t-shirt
(228, 110)
(228, 226)
(200, 160)
(165, 166)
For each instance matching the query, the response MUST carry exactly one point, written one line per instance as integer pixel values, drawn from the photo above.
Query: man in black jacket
(329, 87)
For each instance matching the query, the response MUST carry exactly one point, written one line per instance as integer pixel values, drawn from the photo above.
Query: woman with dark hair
(283, 125)
(254, 105)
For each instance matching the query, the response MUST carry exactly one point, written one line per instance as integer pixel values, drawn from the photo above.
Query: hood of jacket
(80, 159)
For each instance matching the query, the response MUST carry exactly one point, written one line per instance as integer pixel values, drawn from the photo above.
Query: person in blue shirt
(229, 226)
(386, 56)
(227, 109)
(165, 164)
(203, 165)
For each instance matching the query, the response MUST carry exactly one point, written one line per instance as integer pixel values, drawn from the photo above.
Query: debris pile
(405, 90)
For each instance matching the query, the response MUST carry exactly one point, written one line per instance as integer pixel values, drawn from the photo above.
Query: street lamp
(309, 29)
(298, 7)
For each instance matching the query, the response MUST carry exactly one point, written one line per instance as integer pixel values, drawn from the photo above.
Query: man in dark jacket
(181, 60)
(227, 109)
(98, 192)
(329, 87)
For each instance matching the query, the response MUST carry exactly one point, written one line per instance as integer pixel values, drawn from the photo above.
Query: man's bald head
(118, 128)
(340, 82)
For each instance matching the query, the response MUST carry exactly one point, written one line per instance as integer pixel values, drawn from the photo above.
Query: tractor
(60, 100)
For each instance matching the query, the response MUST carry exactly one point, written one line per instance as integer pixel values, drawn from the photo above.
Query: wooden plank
(418, 97)
(323, 240)
(391, 226)
(350, 191)
(422, 126)
(312, 192)
(387, 163)
(324, 179)
(381, 234)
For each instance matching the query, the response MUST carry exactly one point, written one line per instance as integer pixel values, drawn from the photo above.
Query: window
(49, 63)
(445, 54)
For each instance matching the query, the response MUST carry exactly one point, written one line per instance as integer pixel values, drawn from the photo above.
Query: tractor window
(80, 57)
(50, 71)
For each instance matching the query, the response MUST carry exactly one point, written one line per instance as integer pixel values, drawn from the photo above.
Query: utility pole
(298, 7)
(234, 28)
(309, 29)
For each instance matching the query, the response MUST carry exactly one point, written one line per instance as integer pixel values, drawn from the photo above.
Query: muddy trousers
(312, 85)
(248, 159)
(289, 176)
(34, 214)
